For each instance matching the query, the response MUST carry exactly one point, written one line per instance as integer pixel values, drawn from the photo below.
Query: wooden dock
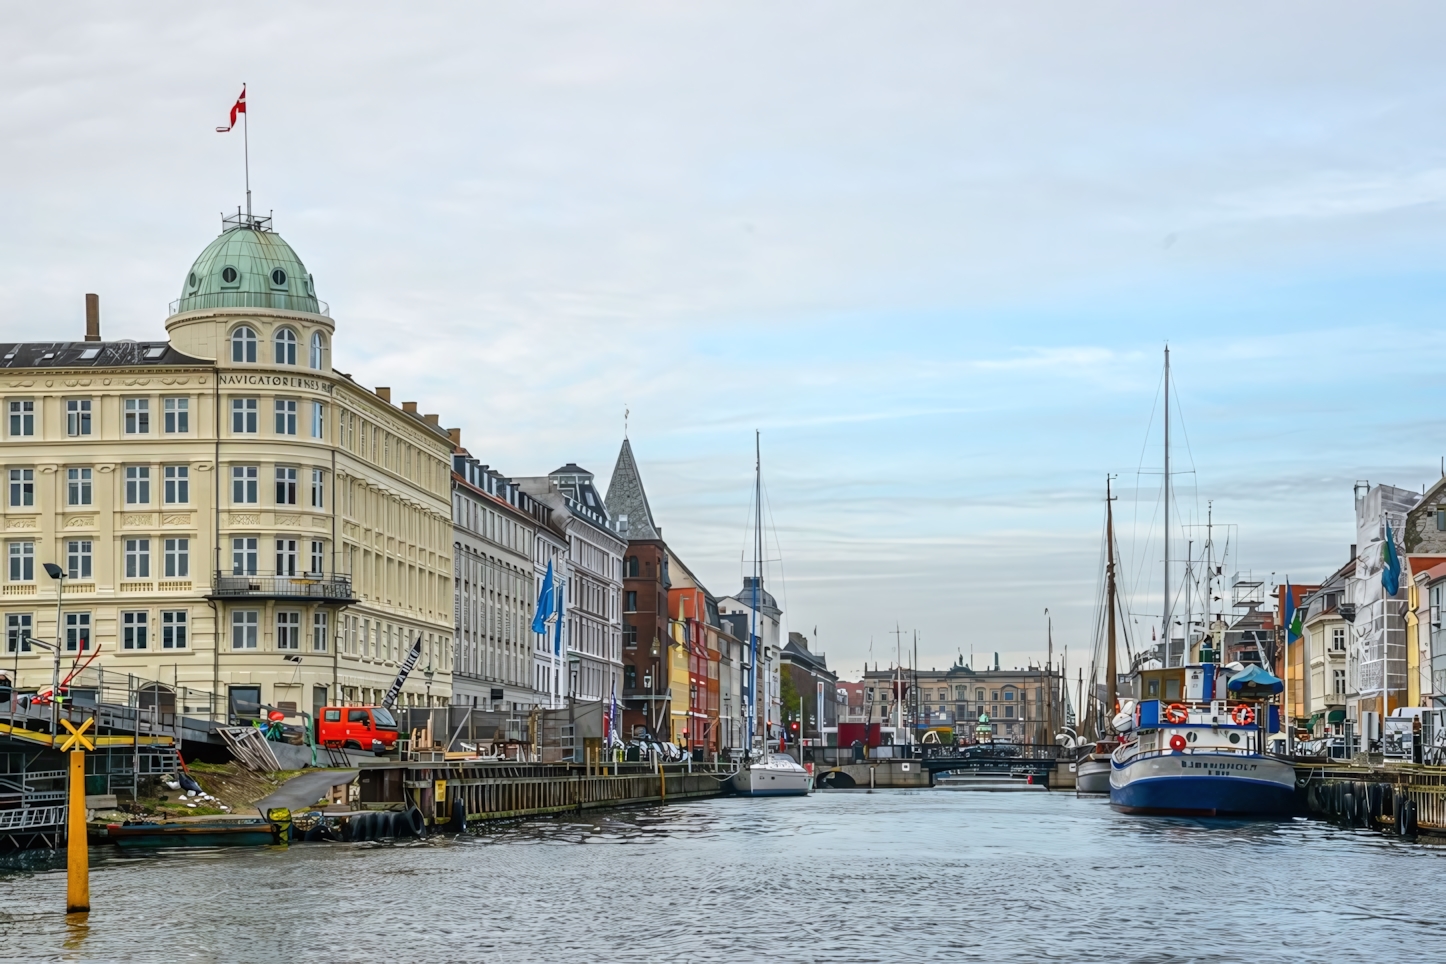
(1404, 798)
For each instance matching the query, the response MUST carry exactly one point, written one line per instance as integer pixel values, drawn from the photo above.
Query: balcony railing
(318, 586)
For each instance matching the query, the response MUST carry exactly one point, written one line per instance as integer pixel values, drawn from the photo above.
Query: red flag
(237, 108)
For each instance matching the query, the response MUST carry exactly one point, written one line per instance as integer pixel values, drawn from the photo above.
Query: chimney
(409, 407)
(434, 420)
(1353, 551)
(385, 394)
(92, 317)
(456, 435)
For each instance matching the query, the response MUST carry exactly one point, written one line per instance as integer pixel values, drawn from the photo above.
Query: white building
(495, 528)
(593, 584)
(1376, 651)
(768, 625)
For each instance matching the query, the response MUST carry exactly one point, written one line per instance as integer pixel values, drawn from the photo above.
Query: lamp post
(58, 574)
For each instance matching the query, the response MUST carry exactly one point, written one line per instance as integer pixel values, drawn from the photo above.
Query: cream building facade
(232, 515)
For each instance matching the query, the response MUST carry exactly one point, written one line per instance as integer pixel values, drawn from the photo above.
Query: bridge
(916, 765)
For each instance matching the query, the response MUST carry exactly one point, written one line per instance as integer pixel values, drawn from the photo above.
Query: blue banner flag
(544, 603)
(1391, 564)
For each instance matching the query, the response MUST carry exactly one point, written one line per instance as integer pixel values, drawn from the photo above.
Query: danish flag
(238, 108)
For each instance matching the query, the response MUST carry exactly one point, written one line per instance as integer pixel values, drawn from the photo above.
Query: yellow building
(230, 514)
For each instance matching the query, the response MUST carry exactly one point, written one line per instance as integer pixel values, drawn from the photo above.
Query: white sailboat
(763, 774)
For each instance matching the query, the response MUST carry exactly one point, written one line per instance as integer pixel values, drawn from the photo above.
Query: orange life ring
(1177, 743)
(1243, 715)
(1176, 713)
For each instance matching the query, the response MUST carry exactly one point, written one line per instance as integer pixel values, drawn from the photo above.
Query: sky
(932, 252)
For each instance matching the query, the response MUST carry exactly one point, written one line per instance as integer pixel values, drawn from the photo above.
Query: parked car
(357, 728)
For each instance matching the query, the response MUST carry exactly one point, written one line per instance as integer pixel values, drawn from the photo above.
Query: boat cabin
(1160, 684)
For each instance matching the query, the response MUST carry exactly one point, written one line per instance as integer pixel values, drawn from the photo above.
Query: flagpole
(246, 153)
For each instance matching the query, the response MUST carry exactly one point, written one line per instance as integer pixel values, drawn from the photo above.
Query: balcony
(315, 586)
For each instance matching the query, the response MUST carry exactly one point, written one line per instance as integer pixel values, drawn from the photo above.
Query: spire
(626, 501)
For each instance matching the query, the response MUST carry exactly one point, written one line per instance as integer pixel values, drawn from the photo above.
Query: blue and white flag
(1391, 564)
(544, 603)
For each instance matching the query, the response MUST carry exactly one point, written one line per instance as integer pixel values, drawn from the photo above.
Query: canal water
(927, 875)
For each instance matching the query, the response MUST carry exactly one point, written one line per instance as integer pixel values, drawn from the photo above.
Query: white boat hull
(1092, 774)
(767, 781)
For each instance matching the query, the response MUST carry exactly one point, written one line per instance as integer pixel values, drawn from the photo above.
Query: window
(1338, 639)
(631, 603)
(319, 632)
(138, 558)
(1338, 682)
(318, 419)
(288, 630)
(77, 486)
(243, 345)
(17, 632)
(243, 628)
(318, 488)
(138, 485)
(77, 416)
(285, 342)
(630, 635)
(243, 555)
(286, 416)
(22, 487)
(77, 632)
(244, 485)
(244, 413)
(318, 347)
(285, 486)
(77, 559)
(138, 416)
(1440, 513)
(286, 557)
(178, 415)
(22, 417)
(1009, 694)
(178, 558)
(22, 561)
(178, 484)
(318, 556)
(173, 629)
(632, 570)
(979, 696)
(134, 627)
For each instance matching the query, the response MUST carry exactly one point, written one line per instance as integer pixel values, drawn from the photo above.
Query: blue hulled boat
(1202, 749)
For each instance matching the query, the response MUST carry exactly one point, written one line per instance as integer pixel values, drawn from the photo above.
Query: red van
(357, 727)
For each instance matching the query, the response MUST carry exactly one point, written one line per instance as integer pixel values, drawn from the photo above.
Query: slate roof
(626, 497)
(93, 354)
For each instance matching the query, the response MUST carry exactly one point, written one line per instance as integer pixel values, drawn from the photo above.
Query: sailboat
(763, 774)
(1195, 735)
(1092, 767)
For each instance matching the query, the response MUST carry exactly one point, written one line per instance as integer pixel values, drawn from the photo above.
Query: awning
(1314, 719)
(1336, 716)
(1256, 677)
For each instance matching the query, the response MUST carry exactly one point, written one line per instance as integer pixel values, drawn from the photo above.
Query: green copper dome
(248, 266)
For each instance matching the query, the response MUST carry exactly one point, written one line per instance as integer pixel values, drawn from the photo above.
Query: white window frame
(21, 554)
(22, 417)
(285, 409)
(138, 485)
(78, 486)
(320, 631)
(243, 345)
(245, 416)
(318, 488)
(137, 416)
(135, 629)
(78, 558)
(77, 632)
(288, 630)
(18, 627)
(245, 626)
(174, 627)
(177, 415)
(286, 485)
(176, 558)
(22, 488)
(77, 417)
(245, 555)
(283, 344)
(177, 479)
(137, 557)
(287, 557)
(245, 485)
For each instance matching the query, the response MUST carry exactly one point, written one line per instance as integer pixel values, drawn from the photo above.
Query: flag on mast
(237, 108)
(1293, 627)
(1390, 564)
(544, 603)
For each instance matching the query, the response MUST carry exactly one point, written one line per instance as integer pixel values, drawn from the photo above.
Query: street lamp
(58, 574)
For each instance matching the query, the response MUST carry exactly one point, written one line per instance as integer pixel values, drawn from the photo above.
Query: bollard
(77, 893)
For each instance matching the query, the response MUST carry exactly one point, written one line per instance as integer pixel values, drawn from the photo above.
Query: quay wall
(455, 794)
(1406, 799)
(886, 774)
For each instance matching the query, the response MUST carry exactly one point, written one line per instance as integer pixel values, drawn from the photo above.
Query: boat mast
(757, 579)
(1111, 670)
(1165, 626)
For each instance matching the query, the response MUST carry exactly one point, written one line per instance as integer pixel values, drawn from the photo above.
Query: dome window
(285, 345)
(278, 278)
(243, 345)
(230, 277)
(192, 281)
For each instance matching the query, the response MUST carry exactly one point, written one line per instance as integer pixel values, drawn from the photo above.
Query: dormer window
(230, 277)
(278, 278)
(243, 345)
(285, 345)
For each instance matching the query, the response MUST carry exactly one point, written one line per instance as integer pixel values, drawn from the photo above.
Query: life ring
(1243, 715)
(1177, 743)
(1176, 713)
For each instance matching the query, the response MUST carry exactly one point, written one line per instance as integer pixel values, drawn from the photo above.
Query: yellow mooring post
(77, 892)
